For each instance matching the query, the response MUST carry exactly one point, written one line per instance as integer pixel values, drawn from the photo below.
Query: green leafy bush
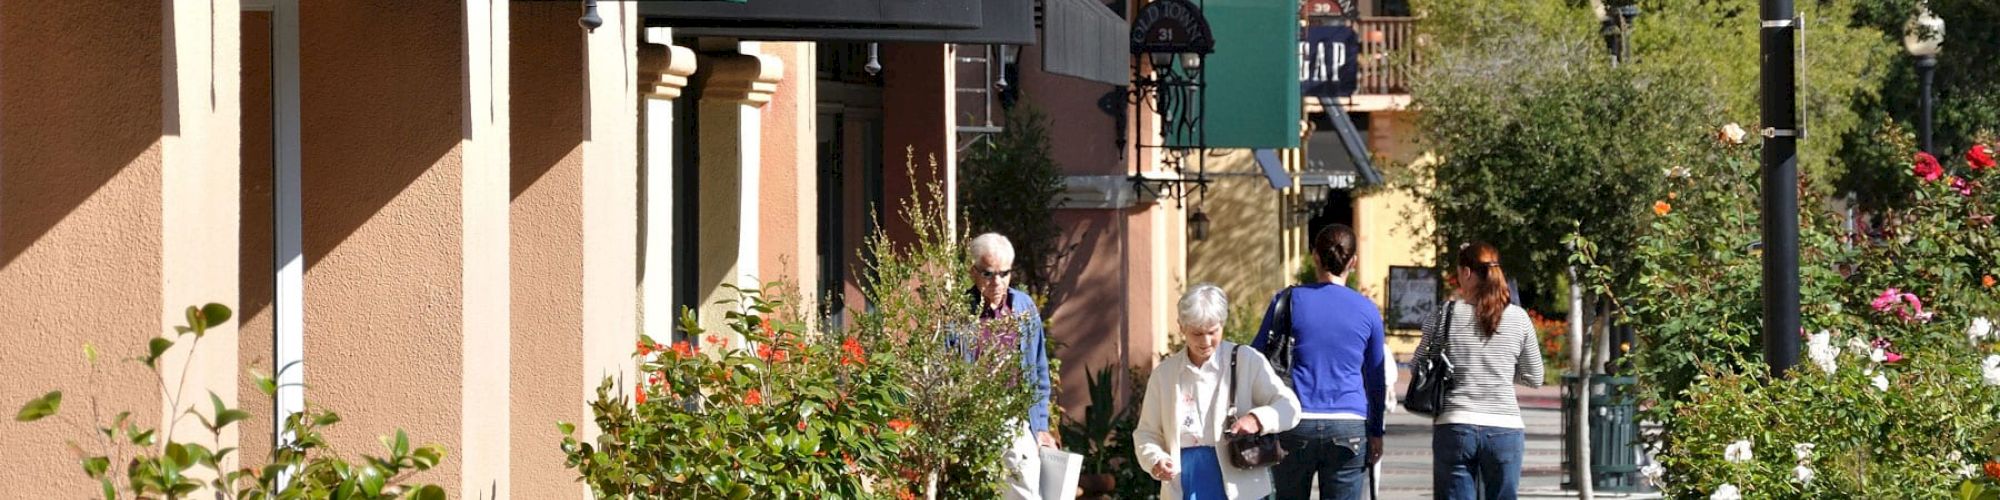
(1896, 396)
(162, 465)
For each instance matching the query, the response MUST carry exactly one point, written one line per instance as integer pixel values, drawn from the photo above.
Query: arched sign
(1171, 26)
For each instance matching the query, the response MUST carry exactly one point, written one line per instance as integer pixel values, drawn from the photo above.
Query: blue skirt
(1201, 474)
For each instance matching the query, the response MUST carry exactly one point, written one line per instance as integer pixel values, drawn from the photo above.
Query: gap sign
(1329, 63)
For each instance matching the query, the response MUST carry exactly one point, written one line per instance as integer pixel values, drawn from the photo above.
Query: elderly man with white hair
(993, 297)
(1190, 400)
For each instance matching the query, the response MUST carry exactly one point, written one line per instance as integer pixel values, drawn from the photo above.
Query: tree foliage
(1010, 184)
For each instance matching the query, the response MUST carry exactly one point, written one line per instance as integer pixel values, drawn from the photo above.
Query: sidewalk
(1406, 461)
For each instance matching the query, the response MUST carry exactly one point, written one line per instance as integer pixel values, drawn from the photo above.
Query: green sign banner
(1253, 76)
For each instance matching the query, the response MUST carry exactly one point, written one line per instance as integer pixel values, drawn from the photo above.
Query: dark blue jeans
(1334, 450)
(1472, 462)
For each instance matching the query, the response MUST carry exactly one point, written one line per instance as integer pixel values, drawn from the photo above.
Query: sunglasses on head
(996, 274)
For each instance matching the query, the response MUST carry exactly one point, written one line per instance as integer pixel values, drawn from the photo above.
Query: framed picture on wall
(1413, 294)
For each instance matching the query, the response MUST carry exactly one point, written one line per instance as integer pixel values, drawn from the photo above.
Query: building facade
(455, 217)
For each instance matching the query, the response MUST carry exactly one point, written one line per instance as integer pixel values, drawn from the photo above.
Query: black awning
(1337, 155)
(962, 14)
(1010, 22)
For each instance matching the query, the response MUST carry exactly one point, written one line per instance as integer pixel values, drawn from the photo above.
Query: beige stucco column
(405, 174)
(734, 87)
(663, 72)
(118, 209)
(485, 194)
(199, 208)
(790, 231)
(611, 217)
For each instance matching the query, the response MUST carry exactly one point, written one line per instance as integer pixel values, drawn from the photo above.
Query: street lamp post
(1923, 37)
(1778, 91)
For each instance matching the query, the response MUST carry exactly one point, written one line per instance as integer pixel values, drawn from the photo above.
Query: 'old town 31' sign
(1171, 27)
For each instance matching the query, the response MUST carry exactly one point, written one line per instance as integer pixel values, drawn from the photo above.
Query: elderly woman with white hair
(1189, 401)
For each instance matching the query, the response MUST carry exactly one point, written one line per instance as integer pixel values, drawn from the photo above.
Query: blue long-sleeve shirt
(1034, 354)
(1338, 360)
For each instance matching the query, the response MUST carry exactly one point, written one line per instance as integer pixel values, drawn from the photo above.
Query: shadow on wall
(381, 104)
(1086, 302)
(72, 126)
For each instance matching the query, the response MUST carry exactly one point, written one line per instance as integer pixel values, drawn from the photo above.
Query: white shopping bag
(1060, 471)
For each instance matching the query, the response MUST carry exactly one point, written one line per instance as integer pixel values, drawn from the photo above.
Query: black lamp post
(1923, 37)
(1779, 165)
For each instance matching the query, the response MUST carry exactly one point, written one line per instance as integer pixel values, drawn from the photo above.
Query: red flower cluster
(1927, 167)
(899, 425)
(682, 349)
(772, 354)
(754, 398)
(1980, 157)
(851, 352)
(1993, 470)
(639, 394)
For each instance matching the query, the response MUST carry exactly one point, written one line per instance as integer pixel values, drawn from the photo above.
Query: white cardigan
(1257, 387)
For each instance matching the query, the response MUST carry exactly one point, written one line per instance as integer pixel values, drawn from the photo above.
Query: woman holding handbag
(1206, 425)
(1484, 345)
(1328, 339)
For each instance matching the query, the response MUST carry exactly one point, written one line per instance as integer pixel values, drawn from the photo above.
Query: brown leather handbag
(1248, 451)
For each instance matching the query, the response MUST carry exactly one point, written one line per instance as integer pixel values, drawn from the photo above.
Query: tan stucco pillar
(406, 190)
(663, 73)
(117, 210)
(199, 207)
(734, 87)
(610, 203)
(484, 208)
(789, 234)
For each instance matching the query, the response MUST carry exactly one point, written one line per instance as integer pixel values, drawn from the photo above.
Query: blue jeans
(1201, 474)
(1335, 450)
(1472, 462)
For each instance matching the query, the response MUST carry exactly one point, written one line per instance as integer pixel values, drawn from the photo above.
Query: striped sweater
(1485, 368)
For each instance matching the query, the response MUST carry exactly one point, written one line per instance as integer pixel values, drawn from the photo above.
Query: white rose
(1822, 352)
(1880, 382)
(1802, 474)
(1878, 355)
(1967, 470)
(1980, 330)
(1653, 473)
(1803, 451)
(1991, 369)
(1733, 134)
(1857, 345)
(1726, 492)
(1737, 452)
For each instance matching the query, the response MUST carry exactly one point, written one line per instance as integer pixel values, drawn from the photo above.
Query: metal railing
(1387, 53)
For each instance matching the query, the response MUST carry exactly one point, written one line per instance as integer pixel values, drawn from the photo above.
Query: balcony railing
(1387, 53)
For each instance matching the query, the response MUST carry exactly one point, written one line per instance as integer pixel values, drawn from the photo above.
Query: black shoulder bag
(1431, 378)
(1279, 340)
(1248, 451)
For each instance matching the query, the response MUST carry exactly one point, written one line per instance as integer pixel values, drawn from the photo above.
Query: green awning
(1253, 76)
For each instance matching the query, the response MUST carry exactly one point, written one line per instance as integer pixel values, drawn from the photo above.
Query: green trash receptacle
(1614, 434)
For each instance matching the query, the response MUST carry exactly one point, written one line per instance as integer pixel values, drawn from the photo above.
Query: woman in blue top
(1337, 371)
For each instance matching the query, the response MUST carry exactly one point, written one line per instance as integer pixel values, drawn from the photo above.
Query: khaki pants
(1024, 466)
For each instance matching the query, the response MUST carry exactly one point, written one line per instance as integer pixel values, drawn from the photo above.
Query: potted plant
(1104, 436)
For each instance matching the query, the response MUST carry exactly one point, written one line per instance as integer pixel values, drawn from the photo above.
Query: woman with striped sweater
(1477, 440)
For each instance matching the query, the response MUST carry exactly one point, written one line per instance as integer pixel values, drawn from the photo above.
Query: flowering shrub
(790, 414)
(151, 463)
(914, 397)
(1552, 334)
(1895, 397)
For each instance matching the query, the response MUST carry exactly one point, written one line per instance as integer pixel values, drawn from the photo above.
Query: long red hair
(1488, 287)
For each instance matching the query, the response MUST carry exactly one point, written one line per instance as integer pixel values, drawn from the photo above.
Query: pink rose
(1963, 187)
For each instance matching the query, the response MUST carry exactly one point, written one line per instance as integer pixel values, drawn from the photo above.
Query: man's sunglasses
(996, 274)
